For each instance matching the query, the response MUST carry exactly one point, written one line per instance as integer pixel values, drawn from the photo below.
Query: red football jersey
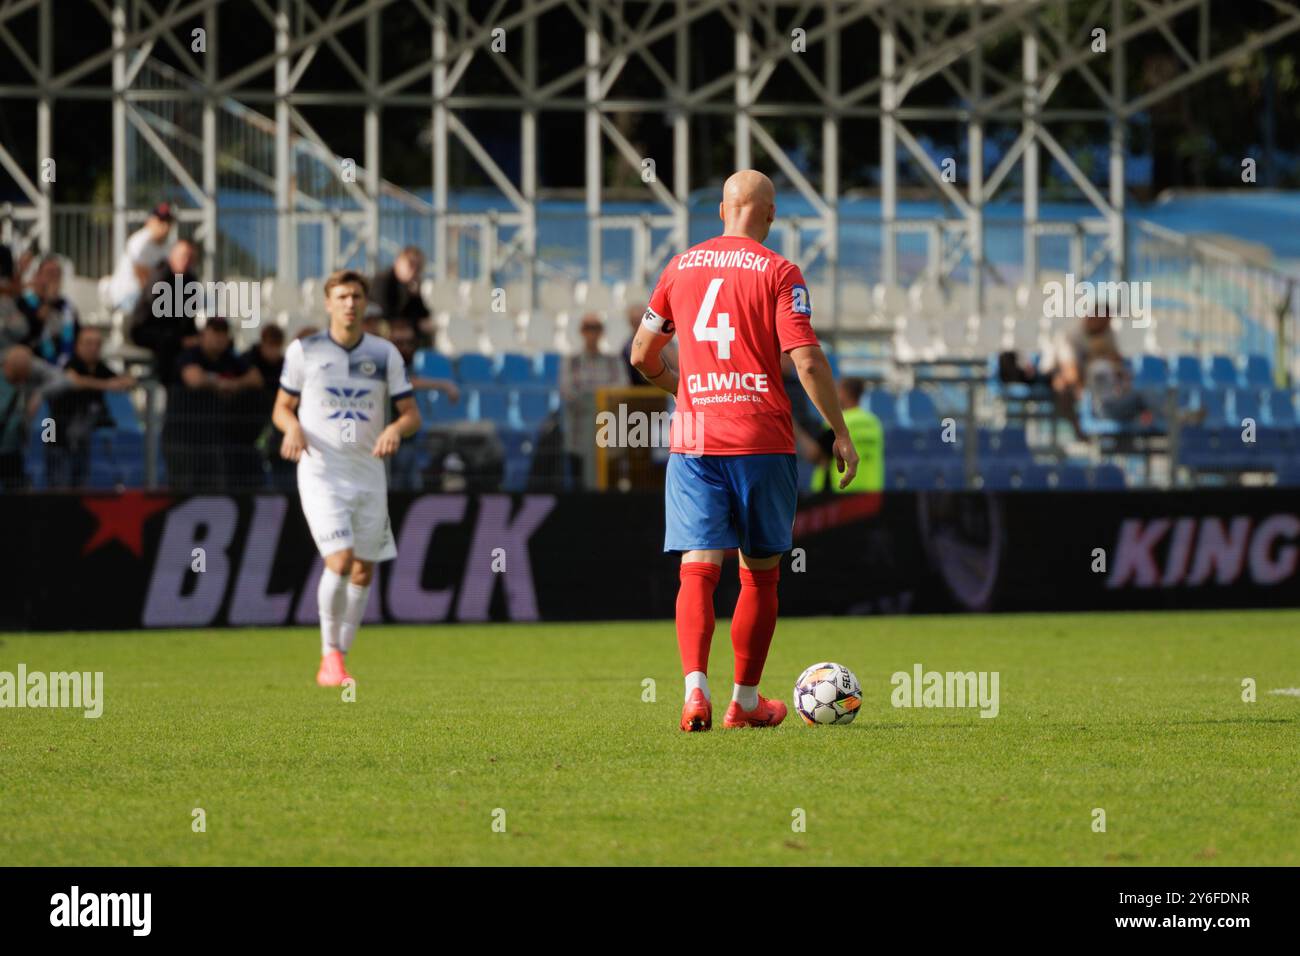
(737, 306)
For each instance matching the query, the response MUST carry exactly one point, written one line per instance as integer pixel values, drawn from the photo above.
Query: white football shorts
(347, 517)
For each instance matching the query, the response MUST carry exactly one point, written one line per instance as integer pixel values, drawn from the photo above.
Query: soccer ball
(827, 694)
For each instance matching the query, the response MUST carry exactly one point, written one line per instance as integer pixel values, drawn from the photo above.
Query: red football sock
(753, 623)
(695, 614)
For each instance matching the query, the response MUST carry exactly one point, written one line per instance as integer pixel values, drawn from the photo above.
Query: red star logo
(121, 518)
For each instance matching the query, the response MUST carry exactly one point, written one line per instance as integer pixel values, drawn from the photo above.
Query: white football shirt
(140, 250)
(343, 405)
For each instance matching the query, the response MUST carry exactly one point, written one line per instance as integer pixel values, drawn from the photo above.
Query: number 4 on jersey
(722, 333)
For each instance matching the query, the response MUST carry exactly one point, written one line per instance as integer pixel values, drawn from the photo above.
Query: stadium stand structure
(901, 286)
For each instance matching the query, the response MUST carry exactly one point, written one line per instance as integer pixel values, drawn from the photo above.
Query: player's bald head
(747, 188)
(748, 204)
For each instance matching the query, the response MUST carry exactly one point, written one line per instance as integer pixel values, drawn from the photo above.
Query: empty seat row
(509, 369)
(1191, 371)
(912, 409)
(1003, 476)
(1208, 448)
(513, 407)
(991, 443)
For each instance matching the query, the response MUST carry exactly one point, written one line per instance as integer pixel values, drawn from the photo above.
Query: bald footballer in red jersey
(731, 483)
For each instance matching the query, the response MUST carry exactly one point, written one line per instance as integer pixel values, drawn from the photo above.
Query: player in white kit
(332, 406)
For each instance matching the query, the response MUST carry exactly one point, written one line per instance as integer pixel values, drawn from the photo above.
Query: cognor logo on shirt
(349, 403)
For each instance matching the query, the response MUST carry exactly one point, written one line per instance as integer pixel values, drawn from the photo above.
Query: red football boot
(697, 712)
(332, 673)
(768, 713)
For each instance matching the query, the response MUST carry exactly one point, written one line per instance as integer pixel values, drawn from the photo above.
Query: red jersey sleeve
(793, 310)
(659, 315)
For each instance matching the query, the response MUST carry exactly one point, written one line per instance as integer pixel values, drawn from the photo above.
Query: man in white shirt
(335, 390)
(145, 249)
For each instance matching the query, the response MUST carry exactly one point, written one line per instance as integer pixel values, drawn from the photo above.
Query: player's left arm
(407, 422)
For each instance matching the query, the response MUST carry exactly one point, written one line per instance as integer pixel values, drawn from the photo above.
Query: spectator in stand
(79, 409)
(397, 292)
(868, 436)
(8, 275)
(403, 336)
(200, 428)
(145, 250)
(582, 375)
(1089, 358)
(52, 321)
(169, 334)
(374, 323)
(267, 356)
(13, 324)
(405, 469)
(24, 382)
(634, 316)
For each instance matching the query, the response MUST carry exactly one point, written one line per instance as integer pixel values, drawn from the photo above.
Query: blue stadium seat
(1277, 442)
(999, 476)
(1194, 446)
(1003, 443)
(1091, 423)
(1222, 449)
(518, 444)
(1107, 477)
(1036, 477)
(918, 475)
(1072, 478)
(438, 408)
(548, 369)
(1288, 474)
(515, 369)
(490, 405)
(534, 404)
(1223, 372)
(1215, 405)
(1259, 371)
(1188, 372)
(474, 369)
(431, 364)
(1245, 404)
(1152, 373)
(1281, 408)
(884, 405)
(919, 409)
(122, 410)
(906, 443)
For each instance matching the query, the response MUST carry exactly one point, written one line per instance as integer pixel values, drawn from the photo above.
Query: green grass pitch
(1140, 715)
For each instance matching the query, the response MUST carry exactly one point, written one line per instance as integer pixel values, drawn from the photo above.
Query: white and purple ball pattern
(827, 693)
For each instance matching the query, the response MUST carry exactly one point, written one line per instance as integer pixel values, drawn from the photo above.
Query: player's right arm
(285, 417)
(650, 359)
(656, 331)
(815, 375)
(285, 414)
